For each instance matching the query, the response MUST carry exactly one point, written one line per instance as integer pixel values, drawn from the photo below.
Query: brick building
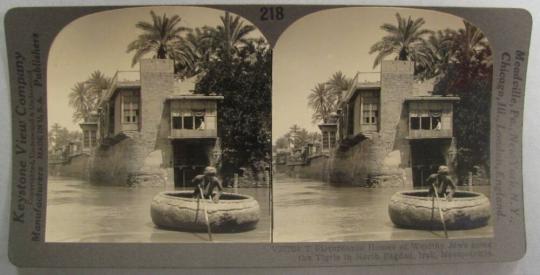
(392, 132)
(152, 129)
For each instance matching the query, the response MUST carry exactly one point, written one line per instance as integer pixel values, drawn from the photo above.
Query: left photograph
(159, 128)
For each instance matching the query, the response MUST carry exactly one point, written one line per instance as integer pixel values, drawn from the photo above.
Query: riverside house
(151, 129)
(391, 132)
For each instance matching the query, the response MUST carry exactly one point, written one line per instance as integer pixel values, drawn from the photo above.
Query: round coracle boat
(179, 210)
(417, 210)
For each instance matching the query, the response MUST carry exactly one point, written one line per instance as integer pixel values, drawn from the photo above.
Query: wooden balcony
(427, 134)
(192, 134)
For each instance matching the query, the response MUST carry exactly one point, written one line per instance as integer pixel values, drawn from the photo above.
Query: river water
(304, 211)
(78, 211)
(309, 211)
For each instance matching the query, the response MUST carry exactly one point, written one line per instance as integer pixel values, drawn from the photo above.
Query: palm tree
(301, 139)
(470, 61)
(322, 103)
(81, 101)
(471, 47)
(402, 39)
(434, 55)
(96, 83)
(337, 84)
(231, 35)
(159, 36)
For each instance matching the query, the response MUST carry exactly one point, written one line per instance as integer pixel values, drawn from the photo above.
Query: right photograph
(381, 127)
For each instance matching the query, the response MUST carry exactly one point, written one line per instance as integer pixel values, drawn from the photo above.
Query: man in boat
(207, 182)
(441, 181)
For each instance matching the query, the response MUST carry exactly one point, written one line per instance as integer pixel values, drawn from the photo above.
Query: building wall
(144, 154)
(157, 82)
(383, 155)
(397, 79)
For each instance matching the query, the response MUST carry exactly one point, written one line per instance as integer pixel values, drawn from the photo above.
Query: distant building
(152, 129)
(393, 131)
(89, 128)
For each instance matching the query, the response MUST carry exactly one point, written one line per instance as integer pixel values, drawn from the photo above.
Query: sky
(98, 42)
(322, 43)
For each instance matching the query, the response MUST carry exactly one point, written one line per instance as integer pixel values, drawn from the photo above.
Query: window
(194, 120)
(188, 122)
(415, 123)
(199, 119)
(422, 120)
(177, 122)
(370, 107)
(435, 120)
(93, 139)
(325, 144)
(86, 139)
(425, 123)
(131, 107)
(328, 140)
(199, 123)
(332, 139)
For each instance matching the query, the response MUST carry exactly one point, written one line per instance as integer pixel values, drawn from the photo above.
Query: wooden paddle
(206, 214)
(440, 210)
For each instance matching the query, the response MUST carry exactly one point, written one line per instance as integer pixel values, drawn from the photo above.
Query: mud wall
(316, 168)
(112, 164)
(77, 166)
(370, 159)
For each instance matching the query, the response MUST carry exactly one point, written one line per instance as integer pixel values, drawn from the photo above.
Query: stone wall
(128, 161)
(316, 168)
(76, 166)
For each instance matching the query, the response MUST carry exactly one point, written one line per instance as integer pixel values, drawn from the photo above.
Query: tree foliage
(325, 97)
(297, 138)
(468, 74)
(337, 84)
(402, 40)
(322, 102)
(238, 68)
(85, 96)
(59, 138)
(161, 37)
(81, 101)
(460, 62)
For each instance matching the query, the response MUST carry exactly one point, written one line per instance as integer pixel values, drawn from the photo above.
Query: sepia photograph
(159, 128)
(222, 137)
(381, 127)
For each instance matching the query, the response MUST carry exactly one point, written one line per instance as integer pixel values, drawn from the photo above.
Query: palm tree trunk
(403, 55)
(161, 54)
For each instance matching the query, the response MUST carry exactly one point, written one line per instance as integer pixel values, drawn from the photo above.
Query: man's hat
(210, 171)
(443, 169)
